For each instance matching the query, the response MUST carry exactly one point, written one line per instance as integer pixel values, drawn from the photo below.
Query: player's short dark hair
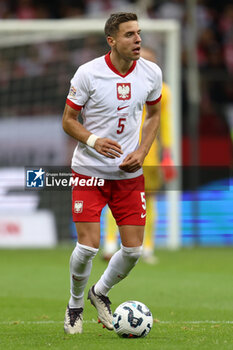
(115, 19)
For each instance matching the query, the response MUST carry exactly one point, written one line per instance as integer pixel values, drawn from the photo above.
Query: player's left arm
(134, 160)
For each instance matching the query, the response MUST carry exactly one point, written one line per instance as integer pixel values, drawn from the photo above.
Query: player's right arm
(105, 146)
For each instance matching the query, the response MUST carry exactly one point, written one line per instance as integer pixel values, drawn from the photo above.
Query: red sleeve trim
(73, 105)
(154, 102)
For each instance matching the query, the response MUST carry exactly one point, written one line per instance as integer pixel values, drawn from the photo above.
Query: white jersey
(112, 106)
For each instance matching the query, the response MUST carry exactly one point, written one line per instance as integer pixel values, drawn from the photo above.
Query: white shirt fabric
(111, 106)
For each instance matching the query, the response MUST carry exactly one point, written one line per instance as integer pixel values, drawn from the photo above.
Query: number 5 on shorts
(143, 199)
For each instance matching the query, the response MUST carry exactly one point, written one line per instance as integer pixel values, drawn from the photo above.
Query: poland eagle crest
(78, 206)
(123, 91)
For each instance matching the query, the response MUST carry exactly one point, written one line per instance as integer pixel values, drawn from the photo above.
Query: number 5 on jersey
(121, 125)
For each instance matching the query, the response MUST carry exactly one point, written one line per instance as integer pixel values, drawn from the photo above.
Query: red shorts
(125, 198)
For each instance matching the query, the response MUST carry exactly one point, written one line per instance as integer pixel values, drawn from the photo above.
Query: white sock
(118, 268)
(80, 269)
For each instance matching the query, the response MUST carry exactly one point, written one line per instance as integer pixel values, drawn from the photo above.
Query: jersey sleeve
(79, 90)
(156, 93)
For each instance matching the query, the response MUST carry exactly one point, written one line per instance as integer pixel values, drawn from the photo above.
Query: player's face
(127, 41)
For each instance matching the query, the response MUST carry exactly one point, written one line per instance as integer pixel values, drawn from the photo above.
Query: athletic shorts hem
(84, 220)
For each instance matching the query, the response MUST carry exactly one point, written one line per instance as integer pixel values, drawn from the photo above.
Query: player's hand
(167, 167)
(132, 162)
(109, 148)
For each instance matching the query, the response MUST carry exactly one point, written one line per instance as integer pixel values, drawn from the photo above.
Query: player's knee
(132, 253)
(84, 253)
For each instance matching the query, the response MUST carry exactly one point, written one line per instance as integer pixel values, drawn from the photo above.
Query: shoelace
(106, 301)
(74, 314)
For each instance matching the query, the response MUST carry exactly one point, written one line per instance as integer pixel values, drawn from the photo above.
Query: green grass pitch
(190, 294)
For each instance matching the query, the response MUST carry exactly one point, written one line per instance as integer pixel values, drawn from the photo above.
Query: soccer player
(110, 92)
(157, 170)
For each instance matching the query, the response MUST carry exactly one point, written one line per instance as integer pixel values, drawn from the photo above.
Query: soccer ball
(132, 319)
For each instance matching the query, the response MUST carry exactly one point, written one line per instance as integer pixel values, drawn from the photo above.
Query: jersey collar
(111, 66)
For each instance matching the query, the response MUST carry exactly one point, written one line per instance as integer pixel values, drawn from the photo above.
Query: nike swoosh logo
(143, 215)
(120, 108)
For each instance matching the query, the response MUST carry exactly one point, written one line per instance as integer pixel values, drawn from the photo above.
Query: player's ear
(111, 41)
